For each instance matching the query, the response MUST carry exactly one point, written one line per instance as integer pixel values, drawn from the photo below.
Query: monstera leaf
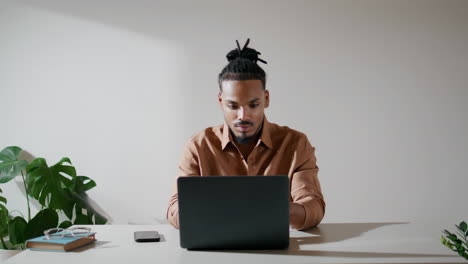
(10, 166)
(58, 187)
(3, 216)
(20, 230)
(16, 229)
(3, 200)
(77, 190)
(44, 220)
(47, 184)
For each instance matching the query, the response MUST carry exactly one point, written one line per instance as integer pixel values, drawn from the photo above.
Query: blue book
(63, 244)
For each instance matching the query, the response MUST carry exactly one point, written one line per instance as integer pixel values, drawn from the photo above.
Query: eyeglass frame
(64, 232)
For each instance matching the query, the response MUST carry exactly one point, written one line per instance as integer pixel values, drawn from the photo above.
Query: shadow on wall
(171, 20)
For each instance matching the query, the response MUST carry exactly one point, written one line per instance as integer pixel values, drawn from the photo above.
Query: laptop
(234, 212)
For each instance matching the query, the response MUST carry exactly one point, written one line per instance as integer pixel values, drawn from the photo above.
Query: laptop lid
(234, 212)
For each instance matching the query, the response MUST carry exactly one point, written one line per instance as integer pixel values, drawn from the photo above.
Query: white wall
(380, 88)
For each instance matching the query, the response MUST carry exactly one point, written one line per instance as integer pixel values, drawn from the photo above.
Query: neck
(247, 148)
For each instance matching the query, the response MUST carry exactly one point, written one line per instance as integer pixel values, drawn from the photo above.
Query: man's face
(243, 104)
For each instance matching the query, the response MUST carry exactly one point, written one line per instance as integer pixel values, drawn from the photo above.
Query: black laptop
(234, 212)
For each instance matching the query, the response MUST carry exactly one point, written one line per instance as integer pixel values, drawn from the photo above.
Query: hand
(296, 214)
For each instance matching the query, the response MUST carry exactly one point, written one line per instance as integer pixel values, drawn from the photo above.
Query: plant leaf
(3, 216)
(81, 184)
(58, 187)
(10, 166)
(460, 250)
(65, 224)
(81, 202)
(2, 199)
(46, 184)
(81, 220)
(465, 255)
(443, 240)
(68, 210)
(77, 190)
(10, 153)
(458, 244)
(16, 230)
(3, 220)
(451, 236)
(463, 227)
(99, 219)
(43, 220)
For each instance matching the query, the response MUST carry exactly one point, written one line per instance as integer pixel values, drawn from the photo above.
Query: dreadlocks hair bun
(245, 52)
(242, 66)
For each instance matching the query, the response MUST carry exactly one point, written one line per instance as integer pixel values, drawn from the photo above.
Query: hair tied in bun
(244, 53)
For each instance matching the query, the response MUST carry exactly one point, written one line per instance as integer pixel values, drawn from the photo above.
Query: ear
(267, 98)
(220, 99)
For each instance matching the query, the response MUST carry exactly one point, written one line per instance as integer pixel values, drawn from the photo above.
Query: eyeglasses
(58, 233)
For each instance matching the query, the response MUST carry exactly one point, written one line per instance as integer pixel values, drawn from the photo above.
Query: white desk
(328, 243)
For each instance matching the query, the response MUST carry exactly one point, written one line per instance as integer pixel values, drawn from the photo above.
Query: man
(247, 144)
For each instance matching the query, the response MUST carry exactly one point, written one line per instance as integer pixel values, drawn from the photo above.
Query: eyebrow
(251, 101)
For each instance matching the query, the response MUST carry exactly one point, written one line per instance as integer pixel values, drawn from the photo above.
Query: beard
(245, 139)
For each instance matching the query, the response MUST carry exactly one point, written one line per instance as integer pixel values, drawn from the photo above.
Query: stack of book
(62, 244)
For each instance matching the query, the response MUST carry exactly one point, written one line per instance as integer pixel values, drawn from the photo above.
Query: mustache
(240, 123)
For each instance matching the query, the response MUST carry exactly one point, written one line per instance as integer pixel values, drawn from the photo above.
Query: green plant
(459, 245)
(57, 189)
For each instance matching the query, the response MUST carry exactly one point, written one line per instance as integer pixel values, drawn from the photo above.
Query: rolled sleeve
(188, 166)
(172, 214)
(305, 187)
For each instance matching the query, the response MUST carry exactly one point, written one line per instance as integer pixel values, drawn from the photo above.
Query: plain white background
(379, 87)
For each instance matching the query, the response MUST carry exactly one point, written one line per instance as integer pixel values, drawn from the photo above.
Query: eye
(231, 106)
(254, 105)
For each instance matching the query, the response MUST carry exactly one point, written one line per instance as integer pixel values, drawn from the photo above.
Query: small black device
(146, 236)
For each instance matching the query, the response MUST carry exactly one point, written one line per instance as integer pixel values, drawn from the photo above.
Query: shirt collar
(265, 137)
(226, 137)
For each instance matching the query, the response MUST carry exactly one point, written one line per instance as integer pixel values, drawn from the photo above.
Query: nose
(242, 114)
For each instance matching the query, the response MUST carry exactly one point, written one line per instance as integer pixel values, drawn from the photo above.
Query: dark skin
(243, 104)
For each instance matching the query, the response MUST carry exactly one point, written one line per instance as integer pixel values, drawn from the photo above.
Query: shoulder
(209, 135)
(292, 143)
(285, 133)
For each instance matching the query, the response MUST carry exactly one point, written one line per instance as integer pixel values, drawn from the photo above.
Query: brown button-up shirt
(279, 151)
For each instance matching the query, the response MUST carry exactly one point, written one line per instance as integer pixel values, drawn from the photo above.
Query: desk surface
(328, 243)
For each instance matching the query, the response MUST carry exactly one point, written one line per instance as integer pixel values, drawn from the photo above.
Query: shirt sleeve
(188, 166)
(305, 186)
